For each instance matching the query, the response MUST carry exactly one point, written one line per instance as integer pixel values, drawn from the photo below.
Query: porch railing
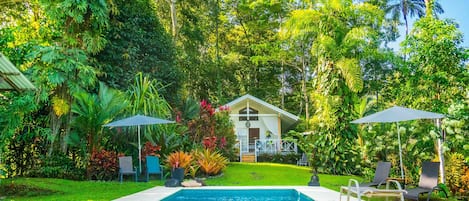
(268, 146)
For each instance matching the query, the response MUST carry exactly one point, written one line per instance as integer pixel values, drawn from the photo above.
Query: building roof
(287, 118)
(11, 78)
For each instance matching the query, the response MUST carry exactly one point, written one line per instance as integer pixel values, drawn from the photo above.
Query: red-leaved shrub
(104, 165)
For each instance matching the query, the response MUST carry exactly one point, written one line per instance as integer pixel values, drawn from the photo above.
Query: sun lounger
(354, 188)
(428, 182)
(381, 175)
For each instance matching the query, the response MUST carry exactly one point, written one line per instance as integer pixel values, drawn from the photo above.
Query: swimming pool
(238, 195)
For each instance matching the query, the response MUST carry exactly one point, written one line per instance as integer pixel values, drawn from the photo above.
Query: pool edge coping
(160, 192)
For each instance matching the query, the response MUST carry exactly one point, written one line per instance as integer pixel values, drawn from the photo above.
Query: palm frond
(351, 72)
(301, 23)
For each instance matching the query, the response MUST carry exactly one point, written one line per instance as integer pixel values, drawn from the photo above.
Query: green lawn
(271, 174)
(76, 190)
(237, 174)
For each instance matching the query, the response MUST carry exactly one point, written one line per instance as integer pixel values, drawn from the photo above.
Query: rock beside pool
(191, 183)
(172, 183)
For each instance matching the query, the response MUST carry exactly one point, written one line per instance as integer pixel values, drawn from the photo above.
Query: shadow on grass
(23, 190)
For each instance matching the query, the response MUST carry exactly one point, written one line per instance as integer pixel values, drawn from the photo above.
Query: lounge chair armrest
(396, 183)
(355, 183)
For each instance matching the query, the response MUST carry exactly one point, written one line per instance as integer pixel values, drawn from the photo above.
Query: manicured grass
(271, 174)
(237, 174)
(77, 190)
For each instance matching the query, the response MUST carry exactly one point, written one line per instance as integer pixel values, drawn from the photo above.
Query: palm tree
(340, 33)
(410, 8)
(94, 110)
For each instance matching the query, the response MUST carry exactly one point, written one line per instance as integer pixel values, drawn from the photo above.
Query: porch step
(248, 158)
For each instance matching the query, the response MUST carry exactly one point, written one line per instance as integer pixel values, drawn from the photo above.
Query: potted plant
(178, 162)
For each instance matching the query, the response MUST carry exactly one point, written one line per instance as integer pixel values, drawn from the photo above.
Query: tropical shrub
(193, 169)
(92, 112)
(2, 171)
(24, 132)
(225, 133)
(454, 167)
(210, 142)
(204, 124)
(214, 130)
(290, 158)
(104, 165)
(58, 165)
(457, 128)
(145, 98)
(179, 159)
(210, 162)
(464, 190)
(150, 150)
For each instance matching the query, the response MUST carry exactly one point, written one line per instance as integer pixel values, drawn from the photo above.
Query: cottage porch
(248, 152)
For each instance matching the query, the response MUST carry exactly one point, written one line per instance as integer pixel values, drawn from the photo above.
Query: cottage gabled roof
(287, 118)
(11, 78)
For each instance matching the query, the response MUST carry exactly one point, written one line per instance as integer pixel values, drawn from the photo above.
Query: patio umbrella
(397, 114)
(138, 120)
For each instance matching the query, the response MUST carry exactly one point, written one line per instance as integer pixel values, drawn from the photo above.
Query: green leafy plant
(57, 165)
(290, 158)
(93, 111)
(2, 171)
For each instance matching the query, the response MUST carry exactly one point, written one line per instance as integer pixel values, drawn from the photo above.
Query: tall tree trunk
(282, 87)
(406, 26)
(55, 122)
(404, 14)
(304, 89)
(67, 128)
(172, 4)
(429, 8)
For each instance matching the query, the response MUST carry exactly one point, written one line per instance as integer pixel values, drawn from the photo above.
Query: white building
(259, 127)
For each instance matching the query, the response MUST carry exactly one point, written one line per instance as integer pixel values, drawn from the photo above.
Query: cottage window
(253, 114)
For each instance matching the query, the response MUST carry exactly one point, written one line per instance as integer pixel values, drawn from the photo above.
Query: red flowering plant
(225, 133)
(214, 130)
(204, 125)
(210, 143)
(150, 150)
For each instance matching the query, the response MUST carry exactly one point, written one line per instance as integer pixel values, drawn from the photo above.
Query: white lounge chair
(354, 188)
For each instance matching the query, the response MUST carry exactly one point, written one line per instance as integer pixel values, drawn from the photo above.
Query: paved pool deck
(160, 192)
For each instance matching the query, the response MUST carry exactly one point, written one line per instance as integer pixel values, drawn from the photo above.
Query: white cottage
(259, 127)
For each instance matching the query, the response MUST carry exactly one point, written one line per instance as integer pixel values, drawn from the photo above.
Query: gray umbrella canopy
(397, 114)
(138, 120)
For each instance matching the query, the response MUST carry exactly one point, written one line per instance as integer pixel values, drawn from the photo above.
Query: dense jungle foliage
(327, 61)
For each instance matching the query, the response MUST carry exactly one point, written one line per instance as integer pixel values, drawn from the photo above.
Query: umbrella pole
(400, 150)
(139, 151)
(440, 151)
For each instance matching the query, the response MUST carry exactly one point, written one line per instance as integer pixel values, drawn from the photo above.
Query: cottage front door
(253, 136)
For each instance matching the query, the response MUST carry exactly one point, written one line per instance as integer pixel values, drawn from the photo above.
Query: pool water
(238, 195)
